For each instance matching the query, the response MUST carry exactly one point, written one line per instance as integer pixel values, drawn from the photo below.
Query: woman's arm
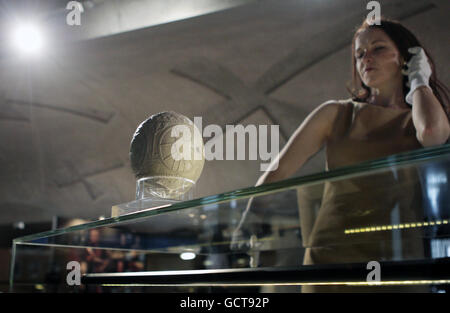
(309, 137)
(429, 118)
(306, 140)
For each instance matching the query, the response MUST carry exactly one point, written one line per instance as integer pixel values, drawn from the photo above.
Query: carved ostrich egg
(169, 147)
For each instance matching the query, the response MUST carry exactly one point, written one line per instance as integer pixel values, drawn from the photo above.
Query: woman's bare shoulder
(332, 107)
(339, 103)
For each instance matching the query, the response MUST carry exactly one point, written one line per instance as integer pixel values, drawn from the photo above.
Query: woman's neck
(390, 96)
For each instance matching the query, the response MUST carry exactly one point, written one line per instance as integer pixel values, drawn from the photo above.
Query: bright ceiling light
(27, 39)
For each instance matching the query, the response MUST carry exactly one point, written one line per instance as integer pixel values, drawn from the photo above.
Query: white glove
(418, 72)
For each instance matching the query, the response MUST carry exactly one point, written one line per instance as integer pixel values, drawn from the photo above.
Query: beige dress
(365, 132)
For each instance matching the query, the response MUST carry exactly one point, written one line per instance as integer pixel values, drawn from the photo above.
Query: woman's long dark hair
(403, 39)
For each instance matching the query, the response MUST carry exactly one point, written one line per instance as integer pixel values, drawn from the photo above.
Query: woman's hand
(429, 118)
(238, 239)
(418, 72)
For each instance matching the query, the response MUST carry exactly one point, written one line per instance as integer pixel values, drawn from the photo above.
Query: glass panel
(392, 209)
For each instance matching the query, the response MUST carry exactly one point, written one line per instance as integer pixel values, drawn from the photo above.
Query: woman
(397, 105)
(379, 56)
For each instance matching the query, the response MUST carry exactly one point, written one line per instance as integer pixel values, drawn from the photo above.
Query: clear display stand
(156, 191)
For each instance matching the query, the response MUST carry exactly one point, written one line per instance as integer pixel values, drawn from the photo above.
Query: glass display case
(382, 225)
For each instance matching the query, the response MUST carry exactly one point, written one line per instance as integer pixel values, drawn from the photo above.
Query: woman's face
(378, 60)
